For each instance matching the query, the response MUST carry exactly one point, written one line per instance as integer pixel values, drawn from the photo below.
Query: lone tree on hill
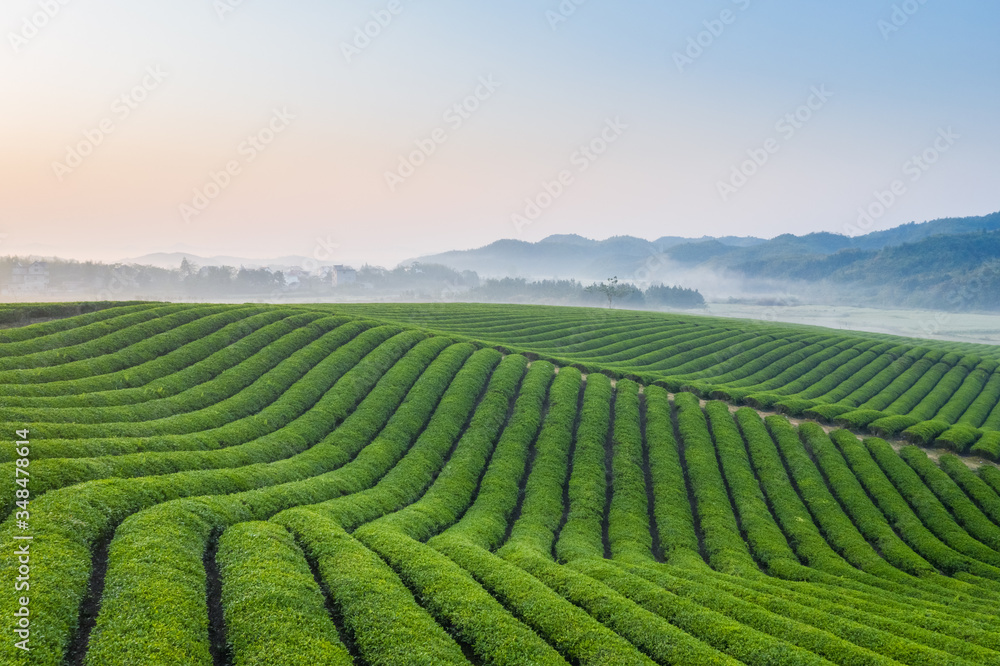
(611, 290)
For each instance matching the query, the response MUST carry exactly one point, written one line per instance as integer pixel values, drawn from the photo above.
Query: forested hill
(569, 254)
(950, 263)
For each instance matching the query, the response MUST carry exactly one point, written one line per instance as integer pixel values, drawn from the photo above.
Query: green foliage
(973, 485)
(859, 418)
(379, 493)
(890, 426)
(367, 592)
(274, 610)
(988, 446)
(925, 432)
(725, 547)
(582, 530)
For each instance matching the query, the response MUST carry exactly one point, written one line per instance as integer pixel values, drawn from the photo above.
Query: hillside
(958, 261)
(252, 484)
(928, 391)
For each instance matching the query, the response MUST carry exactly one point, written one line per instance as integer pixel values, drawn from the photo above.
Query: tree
(675, 296)
(188, 268)
(611, 290)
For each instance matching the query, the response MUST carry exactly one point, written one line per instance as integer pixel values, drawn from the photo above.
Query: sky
(376, 131)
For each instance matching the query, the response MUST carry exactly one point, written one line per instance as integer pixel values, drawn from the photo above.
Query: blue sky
(893, 76)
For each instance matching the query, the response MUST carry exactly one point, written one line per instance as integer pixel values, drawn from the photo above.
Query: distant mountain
(950, 263)
(665, 242)
(913, 232)
(570, 255)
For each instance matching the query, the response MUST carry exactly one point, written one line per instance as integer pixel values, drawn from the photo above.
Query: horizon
(321, 260)
(260, 130)
(324, 255)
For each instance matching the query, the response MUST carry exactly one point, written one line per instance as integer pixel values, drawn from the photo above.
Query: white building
(341, 275)
(32, 278)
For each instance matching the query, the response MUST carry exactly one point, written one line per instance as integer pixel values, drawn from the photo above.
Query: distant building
(342, 275)
(31, 278)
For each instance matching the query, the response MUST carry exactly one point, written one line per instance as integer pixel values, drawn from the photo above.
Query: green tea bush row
(865, 516)
(629, 530)
(671, 508)
(457, 601)
(880, 382)
(77, 342)
(142, 381)
(896, 509)
(967, 393)
(650, 633)
(928, 508)
(454, 488)
(761, 532)
(263, 383)
(575, 634)
(927, 432)
(387, 625)
(275, 612)
(410, 476)
(109, 353)
(988, 446)
(581, 535)
(726, 549)
(71, 316)
(160, 378)
(348, 375)
(972, 484)
(835, 376)
(903, 383)
(172, 534)
(542, 506)
(985, 402)
(870, 373)
(485, 522)
(964, 511)
(71, 521)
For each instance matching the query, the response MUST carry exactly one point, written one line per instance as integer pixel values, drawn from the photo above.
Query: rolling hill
(253, 484)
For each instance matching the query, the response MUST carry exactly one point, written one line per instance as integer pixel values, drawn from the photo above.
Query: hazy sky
(260, 128)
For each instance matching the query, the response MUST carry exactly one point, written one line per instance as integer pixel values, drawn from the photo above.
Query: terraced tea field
(943, 393)
(206, 484)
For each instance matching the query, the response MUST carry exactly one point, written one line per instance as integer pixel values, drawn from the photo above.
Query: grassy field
(388, 484)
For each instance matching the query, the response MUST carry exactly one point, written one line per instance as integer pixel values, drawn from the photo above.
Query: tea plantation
(453, 484)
